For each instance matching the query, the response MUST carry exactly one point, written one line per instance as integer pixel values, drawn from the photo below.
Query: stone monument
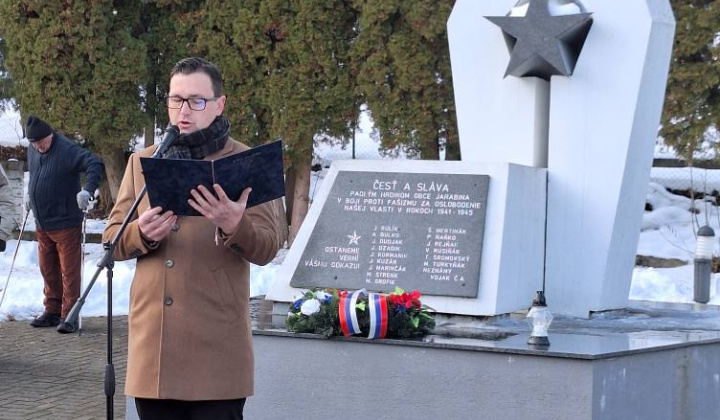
(594, 129)
(571, 88)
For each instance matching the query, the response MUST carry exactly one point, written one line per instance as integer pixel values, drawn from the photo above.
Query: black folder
(169, 181)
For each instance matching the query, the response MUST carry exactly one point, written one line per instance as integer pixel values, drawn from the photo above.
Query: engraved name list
(379, 230)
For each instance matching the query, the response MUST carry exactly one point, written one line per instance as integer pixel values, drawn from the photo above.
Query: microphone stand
(107, 262)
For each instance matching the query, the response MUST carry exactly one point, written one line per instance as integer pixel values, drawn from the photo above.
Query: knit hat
(36, 129)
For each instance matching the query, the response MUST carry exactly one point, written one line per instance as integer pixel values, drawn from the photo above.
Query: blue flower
(400, 309)
(298, 303)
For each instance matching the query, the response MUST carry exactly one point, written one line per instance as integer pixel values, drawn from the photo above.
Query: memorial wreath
(331, 312)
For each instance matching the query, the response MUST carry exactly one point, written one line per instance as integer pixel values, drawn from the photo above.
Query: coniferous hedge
(298, 70)
(692, 103)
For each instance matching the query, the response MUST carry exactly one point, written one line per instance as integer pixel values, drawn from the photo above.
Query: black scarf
(201, 143)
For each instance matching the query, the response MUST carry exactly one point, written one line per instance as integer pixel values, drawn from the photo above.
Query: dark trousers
(149, 409)
(59, 259)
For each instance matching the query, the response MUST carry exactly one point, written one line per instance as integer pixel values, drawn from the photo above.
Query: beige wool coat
(189, 324)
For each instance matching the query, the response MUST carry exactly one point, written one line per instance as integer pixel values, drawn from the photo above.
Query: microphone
(172, 132)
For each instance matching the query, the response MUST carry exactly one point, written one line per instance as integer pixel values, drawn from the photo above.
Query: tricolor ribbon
(348, 315)
(378, 307)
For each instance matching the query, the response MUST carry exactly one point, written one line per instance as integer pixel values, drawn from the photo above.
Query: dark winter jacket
(55, 182)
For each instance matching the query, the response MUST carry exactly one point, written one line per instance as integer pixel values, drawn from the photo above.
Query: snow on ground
(668, 231)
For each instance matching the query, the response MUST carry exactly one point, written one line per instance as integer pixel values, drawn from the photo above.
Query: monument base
(618, 365)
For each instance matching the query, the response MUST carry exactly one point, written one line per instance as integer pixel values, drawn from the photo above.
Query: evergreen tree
(310, 85)
(287, 76)
(78, 66)
(692, 103)
(167, 28)
(403, 72)
(229, 35)
(6, 91)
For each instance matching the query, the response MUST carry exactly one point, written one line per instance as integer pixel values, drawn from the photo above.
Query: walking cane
(12, 264)
(91, 205)
(82, 267)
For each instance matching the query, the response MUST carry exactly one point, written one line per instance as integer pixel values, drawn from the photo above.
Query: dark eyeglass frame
(199, 105)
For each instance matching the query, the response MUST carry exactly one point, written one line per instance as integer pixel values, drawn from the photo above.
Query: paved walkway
(50, 376)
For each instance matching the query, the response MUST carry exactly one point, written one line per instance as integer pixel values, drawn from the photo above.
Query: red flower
(415, 296)
(406, 300)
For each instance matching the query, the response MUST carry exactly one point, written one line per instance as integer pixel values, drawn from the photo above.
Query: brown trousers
(59, 258)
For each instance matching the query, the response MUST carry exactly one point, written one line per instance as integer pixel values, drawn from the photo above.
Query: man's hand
(93, 201)
(83, 199)
(155, 226)
(221, 211)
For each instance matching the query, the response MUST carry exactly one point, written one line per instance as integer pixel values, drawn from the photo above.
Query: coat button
(168, 301)
(169, 263)
(175, 227)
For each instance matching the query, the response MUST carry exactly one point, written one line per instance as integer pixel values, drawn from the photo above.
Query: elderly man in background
(57, 202)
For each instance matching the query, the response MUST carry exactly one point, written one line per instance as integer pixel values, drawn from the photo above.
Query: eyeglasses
(196, 104)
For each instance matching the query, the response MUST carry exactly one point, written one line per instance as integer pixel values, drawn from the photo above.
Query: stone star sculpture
(540, 44)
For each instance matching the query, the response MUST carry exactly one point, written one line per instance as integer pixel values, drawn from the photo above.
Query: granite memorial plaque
(417, 231)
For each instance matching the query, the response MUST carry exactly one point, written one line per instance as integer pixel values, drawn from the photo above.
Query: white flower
(322, 296)
(310, 307)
